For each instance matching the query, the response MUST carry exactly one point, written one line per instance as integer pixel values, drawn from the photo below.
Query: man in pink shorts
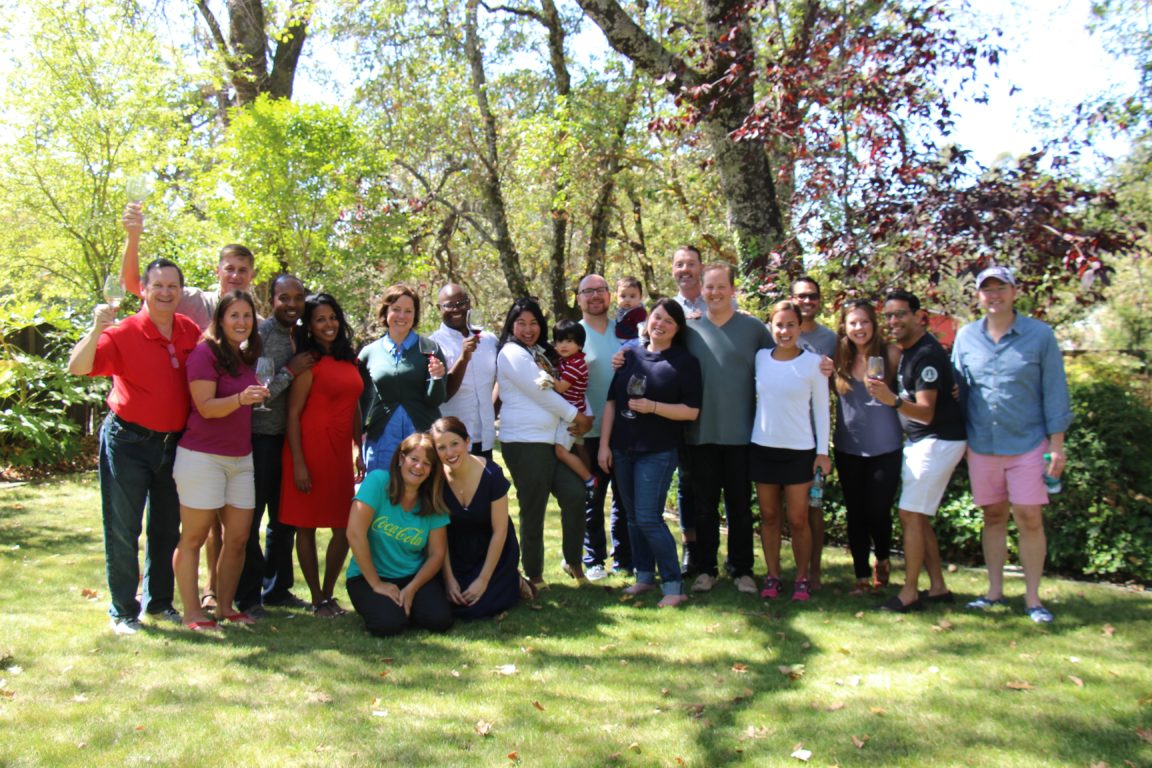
(1017, 410)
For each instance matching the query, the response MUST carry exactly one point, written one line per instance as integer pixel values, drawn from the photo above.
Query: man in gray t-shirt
(725, 342)
(822, 341)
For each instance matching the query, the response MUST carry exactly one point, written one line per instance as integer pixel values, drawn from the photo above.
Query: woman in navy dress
(481, 572)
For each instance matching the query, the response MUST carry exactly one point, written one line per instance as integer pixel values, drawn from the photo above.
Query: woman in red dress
(322, 452)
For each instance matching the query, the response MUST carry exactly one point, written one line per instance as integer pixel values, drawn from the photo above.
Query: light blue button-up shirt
(1017, 394)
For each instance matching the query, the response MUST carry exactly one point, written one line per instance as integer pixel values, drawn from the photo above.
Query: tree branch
(629, 38)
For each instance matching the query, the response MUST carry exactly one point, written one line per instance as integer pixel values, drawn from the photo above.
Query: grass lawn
(582, 678)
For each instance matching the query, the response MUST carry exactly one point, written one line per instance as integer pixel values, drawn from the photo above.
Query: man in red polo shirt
(144, 354)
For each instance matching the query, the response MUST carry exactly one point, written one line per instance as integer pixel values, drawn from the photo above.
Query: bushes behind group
(1100, 524)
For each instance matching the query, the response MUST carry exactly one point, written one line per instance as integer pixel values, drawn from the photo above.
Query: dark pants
(384, 618)
(717, 470)
(478, 450)
(595, 543)
(537, 473)
(869, 485)
(267, 574)
(136, 472)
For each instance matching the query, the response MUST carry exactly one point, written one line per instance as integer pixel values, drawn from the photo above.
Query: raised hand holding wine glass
(265, 372)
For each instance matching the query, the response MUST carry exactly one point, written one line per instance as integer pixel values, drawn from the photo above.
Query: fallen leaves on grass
(507, 669)
(696, 711)
(739, 668)
(318, 697)
(1079, 683)
(860, 741)
(1019, 685)
(377, 708)
(792, 671)
(878, 710)
(1145, 734)
(385, 673)
(634, 746)
(1109, 630)
(835, 706)
(802, 754)
(943, 626)
(538, 705)
(455, 673)
(80, 698)
(6, 694)
(484, 728)
(89, 594)
(753, 732)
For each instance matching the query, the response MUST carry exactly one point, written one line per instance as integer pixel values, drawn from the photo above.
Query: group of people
(391, 447)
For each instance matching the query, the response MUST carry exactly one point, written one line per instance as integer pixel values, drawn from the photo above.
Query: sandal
(200, 626)
(528, 590)
(208, 601)
(863, 587)
(328, 609)
(882, 572)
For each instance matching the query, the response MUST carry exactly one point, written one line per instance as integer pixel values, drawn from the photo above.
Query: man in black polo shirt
(934, 423)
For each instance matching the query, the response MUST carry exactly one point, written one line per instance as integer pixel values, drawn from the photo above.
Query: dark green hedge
(1100, 526)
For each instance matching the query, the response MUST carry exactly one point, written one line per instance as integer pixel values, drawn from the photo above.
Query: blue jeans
(136, 471)
(595, 541)
(378, 453)
(643, 480)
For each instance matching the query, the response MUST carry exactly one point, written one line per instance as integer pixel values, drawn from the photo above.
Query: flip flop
(200, 626)
(894, 605)
(238, 618)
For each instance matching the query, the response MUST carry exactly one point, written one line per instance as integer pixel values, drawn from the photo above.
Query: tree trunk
(490, 176)
(558, 253)
(600, 219)
(753, 211)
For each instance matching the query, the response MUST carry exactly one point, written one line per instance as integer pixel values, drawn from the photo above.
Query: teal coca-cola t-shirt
(397, 539)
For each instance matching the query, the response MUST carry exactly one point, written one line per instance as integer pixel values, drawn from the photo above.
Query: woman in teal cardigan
(406, 385)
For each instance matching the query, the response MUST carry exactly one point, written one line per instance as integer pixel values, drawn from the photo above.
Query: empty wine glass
(113, 292)
(475, 321)
(265, 372)
(876, 373)
(139, 187)
(637, 385)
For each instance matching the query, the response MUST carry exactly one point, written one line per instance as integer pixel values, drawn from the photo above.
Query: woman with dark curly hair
(322, 449)
(213, 468)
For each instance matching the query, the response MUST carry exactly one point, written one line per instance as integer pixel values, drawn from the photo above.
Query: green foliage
(301, 185)
(91, 101)
(37, 391)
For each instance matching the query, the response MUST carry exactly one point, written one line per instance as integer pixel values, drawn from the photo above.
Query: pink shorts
(1017, 479)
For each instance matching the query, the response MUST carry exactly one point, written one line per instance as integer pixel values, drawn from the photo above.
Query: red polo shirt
(147, 389)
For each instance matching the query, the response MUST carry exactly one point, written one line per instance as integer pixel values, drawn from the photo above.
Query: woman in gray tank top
(868, 442)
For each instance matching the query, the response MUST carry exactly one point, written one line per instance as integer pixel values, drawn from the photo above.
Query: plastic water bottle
(1053, 483)
(816, 492)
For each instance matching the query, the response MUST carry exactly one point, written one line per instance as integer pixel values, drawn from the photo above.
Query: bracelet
(287, 370)
(654, 404)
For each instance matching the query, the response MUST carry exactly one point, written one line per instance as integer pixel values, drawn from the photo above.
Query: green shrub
(36, 390)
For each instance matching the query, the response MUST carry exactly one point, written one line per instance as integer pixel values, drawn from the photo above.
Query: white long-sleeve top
(528, 414)
(791, 396)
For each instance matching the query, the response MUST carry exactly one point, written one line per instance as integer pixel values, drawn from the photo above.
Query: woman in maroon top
(213, 468)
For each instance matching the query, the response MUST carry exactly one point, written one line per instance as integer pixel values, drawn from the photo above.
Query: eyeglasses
(897, 315)
(807, 297)
(593, 291)
(172, 355)
(461, 304)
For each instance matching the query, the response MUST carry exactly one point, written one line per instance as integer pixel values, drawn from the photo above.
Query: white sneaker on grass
(747, 585)
(704, 583)
(595, 573)
(123, 625)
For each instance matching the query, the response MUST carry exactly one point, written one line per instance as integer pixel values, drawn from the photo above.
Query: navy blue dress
(469, 534)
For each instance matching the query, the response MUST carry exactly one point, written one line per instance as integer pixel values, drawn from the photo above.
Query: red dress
(326, 439)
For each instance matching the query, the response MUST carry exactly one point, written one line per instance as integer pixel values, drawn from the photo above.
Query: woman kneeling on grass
(396, 533)
(481, 571)
(213, 468)
(791, 396)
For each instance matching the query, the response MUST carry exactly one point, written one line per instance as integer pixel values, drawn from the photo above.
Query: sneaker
(800, 592)
(746, 584)
(1039, 614)
(168, 614)
(257, 612)
(125, 625)
(595, 573)
(704, 583)
(772, 588)
(982, 603)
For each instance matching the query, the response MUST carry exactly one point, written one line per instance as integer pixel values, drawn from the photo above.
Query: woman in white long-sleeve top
(530, 412)
(791, 397)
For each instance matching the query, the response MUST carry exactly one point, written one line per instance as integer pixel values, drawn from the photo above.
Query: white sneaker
(747, 585)
(125, 626)
(704, 583)
(595, 573)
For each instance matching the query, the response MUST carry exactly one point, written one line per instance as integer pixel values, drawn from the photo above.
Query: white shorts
(209, 481)
(927, 468)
